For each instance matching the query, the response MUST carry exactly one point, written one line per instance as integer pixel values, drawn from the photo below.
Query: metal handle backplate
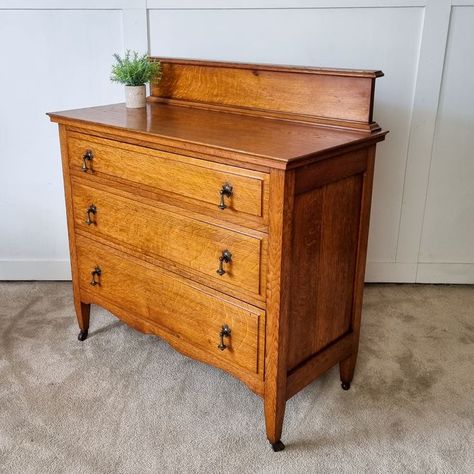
(224, 332)
(90, 210)
(87, 157)
(96, 276)
(226, 191)
(226, 257)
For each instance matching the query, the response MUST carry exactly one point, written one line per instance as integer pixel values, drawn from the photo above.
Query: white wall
(448, 230)
(59, 53)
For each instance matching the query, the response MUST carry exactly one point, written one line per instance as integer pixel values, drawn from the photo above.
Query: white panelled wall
(56, 55)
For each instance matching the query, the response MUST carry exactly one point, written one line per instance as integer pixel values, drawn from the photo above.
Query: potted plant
(135, 71)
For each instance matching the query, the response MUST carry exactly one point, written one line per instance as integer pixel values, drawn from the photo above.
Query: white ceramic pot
(135, 96)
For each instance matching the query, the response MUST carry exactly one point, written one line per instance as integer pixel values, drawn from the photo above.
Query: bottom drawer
(179, 306)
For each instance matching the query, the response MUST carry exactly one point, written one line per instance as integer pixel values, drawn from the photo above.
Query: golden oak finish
(305, 94)
(179, 307)
(82, 308)
(318, 363)
(328, 218)
(229, 217)
(247, 139)
(253, 381)
(347, 366)
(189, 243)
(278, 303)
(175, 174)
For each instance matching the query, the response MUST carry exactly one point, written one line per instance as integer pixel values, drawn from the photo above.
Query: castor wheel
(278, 446)
(346, 385)
(82, 335)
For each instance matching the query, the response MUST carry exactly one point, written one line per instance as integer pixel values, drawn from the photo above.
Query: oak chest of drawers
(229, 217)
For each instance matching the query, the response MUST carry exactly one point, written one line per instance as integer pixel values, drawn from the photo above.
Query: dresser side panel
(324, 248)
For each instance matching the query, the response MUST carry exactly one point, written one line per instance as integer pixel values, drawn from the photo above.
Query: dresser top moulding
(266, 115)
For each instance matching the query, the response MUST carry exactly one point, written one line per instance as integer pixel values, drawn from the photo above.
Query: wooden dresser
(229, 217)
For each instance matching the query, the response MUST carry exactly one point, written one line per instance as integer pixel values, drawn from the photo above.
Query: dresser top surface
(278, 140)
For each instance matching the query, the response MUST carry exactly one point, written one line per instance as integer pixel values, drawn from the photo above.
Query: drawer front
(198, 180)
(182, 309)
(188, 243)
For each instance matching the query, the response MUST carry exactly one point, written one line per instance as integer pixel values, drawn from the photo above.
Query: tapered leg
(82, 309)
(346, 370)
(83, 316)
(274, 415)
(278, 281)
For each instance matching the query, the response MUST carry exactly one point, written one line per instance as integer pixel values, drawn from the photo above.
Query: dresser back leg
(347, 366)
(346, 370)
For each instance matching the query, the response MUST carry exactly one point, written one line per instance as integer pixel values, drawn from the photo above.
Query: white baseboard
(390, 272)
(376, 272)
(35, 270)
(445, 273)
(394, 272)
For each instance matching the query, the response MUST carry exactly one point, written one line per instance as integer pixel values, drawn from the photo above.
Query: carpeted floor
(124, 402)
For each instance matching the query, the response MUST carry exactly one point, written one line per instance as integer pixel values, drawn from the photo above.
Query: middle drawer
(224, 255)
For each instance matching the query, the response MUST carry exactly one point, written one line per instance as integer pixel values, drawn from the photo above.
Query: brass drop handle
(90, 210)
(226, 191)
(96, 273)
(88, 156)
(225, 332)
(226, 257)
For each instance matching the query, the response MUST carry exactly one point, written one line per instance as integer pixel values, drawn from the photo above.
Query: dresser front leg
(83, 315)
(346, 370)
(274, 415)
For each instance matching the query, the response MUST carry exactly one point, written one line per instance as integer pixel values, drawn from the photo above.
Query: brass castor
(82, 335)
(278, 446)
(346, 385)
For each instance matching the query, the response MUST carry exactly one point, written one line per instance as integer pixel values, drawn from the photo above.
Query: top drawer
(209, 184)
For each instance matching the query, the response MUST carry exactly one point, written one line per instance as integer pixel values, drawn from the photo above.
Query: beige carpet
(124, 402)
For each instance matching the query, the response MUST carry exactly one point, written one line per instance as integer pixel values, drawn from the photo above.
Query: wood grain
(153, 294)
(370, 73)
(326, 222)
(190, 243)
(347, 366)
(249, 140)
(82, 309)
(176, 174)
(278, 301)
(318, 363)
(303, 92)
(325, 172)
(168, 200)
(253, 381)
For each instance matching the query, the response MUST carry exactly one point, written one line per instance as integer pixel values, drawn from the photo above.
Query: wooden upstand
(230, 218)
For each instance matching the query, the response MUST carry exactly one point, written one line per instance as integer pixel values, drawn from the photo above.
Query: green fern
(135, 70)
